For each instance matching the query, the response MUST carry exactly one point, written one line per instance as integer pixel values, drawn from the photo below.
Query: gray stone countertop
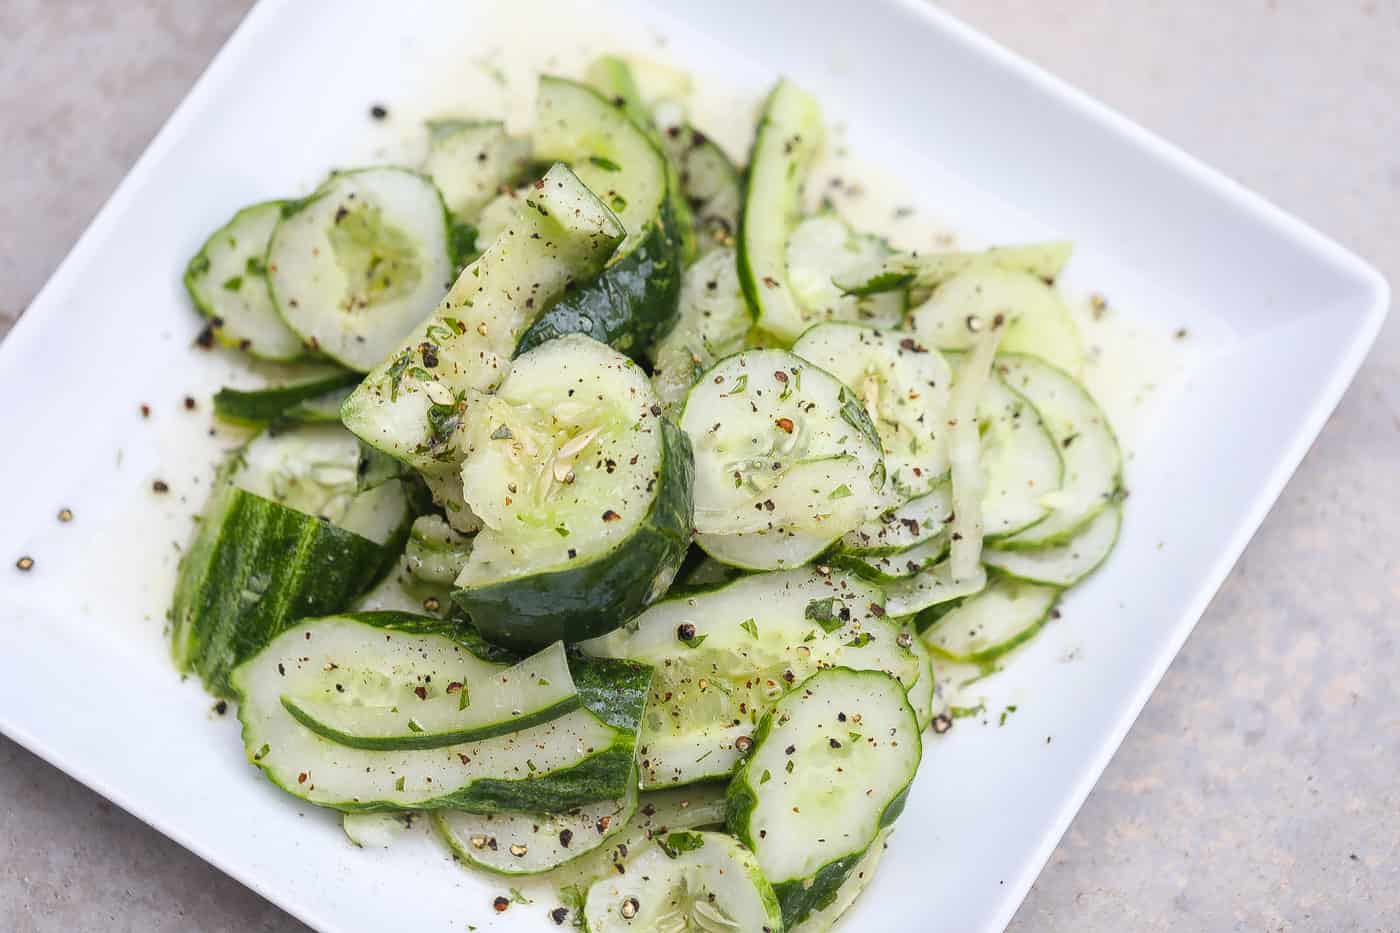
(1259, 789)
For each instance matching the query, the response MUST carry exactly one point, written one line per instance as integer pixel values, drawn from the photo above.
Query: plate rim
(1372, 296)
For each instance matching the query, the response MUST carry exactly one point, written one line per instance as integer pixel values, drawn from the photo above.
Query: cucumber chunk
(581, 757)
(1063, 564)
(822, 245)
(470, 160)
(585, 491)
(780, 444)
(284, 534)
(987, 625)
(308, 401)
(1037, 321)
(424, 692)
(227, 281)
(359, 264)
(898, 271)
(903, 386)
(829, 771)
(786, 143)
(1080, 429)
(532, 843)
(686, 880)
(725, 656)
(633, 300)
(411, 405)
(711, 323)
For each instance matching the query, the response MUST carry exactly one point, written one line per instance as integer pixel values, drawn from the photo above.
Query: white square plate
(1281, 318)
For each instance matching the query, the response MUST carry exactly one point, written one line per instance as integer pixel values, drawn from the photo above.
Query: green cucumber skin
(628, 305)
(259, 407)
(996, 651)
(861, 567)
(421, 740)
(581, 602)
(309, 567)
(614, 691)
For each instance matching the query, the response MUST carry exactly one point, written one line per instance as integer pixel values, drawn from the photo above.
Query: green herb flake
(604, 163)
(695, 642)
(750, 626)
(789, 766)
(675, 843)
(841, 492)
(741, 385)
(398, 785)
(233, 283)
(860, 640)
(826, 613)
(766, 776)
(414, 726)
(517, 898)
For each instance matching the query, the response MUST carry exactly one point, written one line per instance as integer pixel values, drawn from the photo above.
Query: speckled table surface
(1258, 790)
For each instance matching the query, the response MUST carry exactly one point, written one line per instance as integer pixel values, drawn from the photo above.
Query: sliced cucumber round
(987, 625)
(358, 265)
(778, 549)
(581, 757)
(227, 281)
(824, 918)
(531, 843)
(585, 491)
(929, 270)
(1062, 564)
(633, 301)
(469, 161)
(903, 386)
(412, 404)
(381, 692)
(711, 323)
(686, 880)
(1080, 429)
(900, 528)
(725, 656)
(375, 830)
(830, 769)
(824, 245)
(786, 143)
(1020, 462)
(780, 444)
(1037, 320)
(931, 587)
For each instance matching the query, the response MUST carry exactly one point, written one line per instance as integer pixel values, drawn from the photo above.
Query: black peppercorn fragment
(559, 915)
(942, 723)
(379, 112)
(189, 403)
(501, 904)
(25, 563)
(160, 486)
(221, 707)
(685, 631)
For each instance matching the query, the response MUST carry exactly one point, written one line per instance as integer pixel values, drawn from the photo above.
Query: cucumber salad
(622, 510)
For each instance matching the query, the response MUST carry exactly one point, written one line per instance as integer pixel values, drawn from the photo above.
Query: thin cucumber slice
(985, 626)
(359, 264)
(923, 694)
(435, 552)
(532, 843)
(308, 401)
(898, 271)
(780, 444)
(585, 491)
(401, 591)
(227, 281)
(778, 549)
(898, 529)
(830, 769)
(824, 918)
(903, 386)
(966, 530)
(657, 813)
(1020, 462)
(931, 587)
(423, 691)
(1092, 459)
(411, 405)
(1063, 564)
(579, 758)
(686, 880)
(633, 300)
(895, 568)
(470, 160)
(375, 830)
(787, 141)
(825, 244)
(725, 656)
(712, 323)
(1037, 320)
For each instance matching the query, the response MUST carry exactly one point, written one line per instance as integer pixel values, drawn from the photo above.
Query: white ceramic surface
(1284, 317)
